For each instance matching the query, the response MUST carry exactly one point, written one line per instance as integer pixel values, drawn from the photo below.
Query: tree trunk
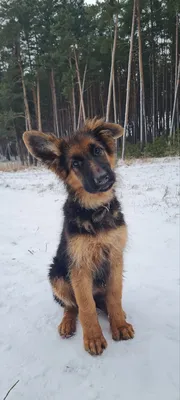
(69, 124)
(176, 69)
(175, 99)
(114, 106)
(8, 152)
(114, 99)
(88, 104)
(128, 79)
(112, 69)
(142, 94)
(29, 156)
(73, 108)
(54, 103)
(81, 98)
(73, 100)
(171, 89)
(166, 96)
(163, 96)
(119, 96)
(134, 107)
(26, 105)
(91, 101)
(38, 105)
(102, 101)
(80, 88)
(153, 72)
(157, 96)
(19, 145)
(35, 103)
(153, 101)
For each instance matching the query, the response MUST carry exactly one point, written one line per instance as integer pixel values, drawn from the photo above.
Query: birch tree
(128, 86)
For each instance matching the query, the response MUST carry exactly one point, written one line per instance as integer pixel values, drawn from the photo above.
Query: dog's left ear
(44, 147)
(99, 127)
(115, 129)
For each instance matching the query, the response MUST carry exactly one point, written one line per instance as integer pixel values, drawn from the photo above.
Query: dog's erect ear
(115, 129)
(44, 147)
(100, 126)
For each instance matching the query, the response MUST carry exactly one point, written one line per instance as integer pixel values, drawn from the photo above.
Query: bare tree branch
(12, 387)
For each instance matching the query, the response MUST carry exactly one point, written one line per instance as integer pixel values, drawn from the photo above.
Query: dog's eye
(76, 163)
(98, 151)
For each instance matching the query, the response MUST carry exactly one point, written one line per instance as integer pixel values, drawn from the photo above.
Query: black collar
(73, 208)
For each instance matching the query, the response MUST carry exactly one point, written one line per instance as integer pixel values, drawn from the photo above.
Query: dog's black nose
(101, 178)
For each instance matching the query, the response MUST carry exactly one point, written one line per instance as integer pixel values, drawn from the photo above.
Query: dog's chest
(84, 221)
(97, 253)
(102, 271)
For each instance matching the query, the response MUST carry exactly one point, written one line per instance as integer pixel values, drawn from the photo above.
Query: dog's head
(85, 162)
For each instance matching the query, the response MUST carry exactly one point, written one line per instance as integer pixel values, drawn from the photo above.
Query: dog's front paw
(94, 343)
(122, 331)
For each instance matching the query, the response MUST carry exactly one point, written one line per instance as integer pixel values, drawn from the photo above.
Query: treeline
(64, 61)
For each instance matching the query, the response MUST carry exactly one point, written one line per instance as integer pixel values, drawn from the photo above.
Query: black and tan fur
(88, 266)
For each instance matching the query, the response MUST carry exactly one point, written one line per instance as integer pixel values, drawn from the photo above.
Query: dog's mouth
(104, 187)
(99, 183)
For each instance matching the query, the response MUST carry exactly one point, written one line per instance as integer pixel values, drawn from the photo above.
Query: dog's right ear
(44, 147)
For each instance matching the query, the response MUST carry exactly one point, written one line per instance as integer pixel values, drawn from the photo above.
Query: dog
(86, 272)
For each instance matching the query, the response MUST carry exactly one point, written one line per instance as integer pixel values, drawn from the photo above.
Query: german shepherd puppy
(87, 270)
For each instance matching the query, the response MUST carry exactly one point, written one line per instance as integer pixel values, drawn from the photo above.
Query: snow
(31, 351)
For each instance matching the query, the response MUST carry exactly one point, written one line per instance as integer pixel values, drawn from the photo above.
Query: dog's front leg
(94, 341)
(121, 330)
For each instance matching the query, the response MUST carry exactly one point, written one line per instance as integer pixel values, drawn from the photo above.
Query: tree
(141, 74)
(111, 79)
(128, 79)
(62, 61)
(175, 98)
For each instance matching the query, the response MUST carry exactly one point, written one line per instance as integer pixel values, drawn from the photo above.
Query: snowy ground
(47, 367)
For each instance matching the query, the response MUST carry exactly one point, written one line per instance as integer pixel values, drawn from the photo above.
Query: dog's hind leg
(67, 327)
(63, 294)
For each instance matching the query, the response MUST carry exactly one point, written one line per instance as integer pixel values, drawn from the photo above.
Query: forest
(64, 61)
